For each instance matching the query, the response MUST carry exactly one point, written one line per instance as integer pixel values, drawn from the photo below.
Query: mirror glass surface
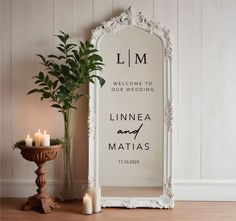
(130, 110)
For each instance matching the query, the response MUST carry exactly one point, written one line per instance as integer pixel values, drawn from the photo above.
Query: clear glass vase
(67, 181)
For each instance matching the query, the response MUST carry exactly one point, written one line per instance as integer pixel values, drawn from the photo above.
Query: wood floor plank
(71, 211)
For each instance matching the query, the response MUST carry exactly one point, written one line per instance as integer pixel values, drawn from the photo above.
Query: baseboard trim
(185, 190)
(26, 188)
(205, 190)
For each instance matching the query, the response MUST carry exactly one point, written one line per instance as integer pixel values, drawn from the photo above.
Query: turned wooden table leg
(40, 155)
(40, 181)
(41, 200)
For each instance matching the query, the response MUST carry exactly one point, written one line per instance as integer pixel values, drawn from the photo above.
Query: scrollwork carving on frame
(133, 18)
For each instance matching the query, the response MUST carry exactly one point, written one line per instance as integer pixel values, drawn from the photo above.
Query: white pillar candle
(45, 139)
(97, 199)
(28, 141)
(38, 138)
(87, 205)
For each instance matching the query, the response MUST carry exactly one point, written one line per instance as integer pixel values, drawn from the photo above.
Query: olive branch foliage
(65, 73)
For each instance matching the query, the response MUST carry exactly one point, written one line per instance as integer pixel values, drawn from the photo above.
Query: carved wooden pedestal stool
(40, 155)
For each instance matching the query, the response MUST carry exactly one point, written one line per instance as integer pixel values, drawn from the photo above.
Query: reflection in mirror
(131, 128)
(131, 116)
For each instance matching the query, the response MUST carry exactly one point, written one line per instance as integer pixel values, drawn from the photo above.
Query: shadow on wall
(79, 123)
(25, 114)
(83, 35)
(117, 12)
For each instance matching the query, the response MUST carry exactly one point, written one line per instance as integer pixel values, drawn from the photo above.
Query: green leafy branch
(65, 73)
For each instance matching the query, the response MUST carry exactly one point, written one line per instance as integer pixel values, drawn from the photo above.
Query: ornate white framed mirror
(130, 119)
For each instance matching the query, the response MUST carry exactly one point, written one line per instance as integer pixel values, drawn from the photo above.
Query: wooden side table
(40, 155)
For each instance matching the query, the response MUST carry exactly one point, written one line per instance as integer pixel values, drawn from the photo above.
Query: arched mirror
(130, 117)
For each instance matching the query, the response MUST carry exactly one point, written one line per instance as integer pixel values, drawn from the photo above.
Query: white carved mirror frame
(133, 18)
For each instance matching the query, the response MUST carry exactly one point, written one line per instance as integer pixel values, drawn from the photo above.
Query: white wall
(204, 77)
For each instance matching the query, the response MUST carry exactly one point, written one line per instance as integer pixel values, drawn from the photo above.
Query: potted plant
(59, 83)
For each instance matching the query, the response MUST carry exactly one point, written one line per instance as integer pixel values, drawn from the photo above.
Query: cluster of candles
(39, 139)
(92, 204)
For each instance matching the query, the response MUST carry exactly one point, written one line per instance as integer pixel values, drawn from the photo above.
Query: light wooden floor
(189, 211)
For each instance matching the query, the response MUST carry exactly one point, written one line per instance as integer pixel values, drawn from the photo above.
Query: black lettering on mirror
(135, 132)
(131, 58)
(142, 60)
(118, 59)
